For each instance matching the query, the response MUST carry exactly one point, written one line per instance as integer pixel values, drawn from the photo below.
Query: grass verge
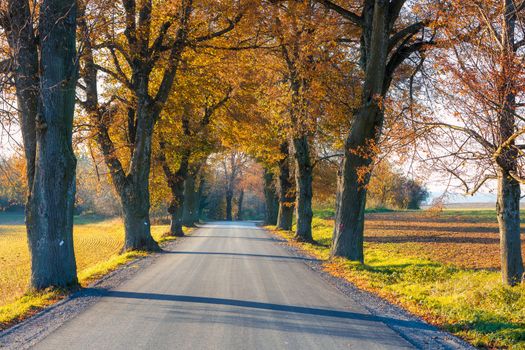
(472, 304)
(33, 302)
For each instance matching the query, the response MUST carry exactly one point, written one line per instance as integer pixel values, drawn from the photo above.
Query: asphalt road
(227, 286)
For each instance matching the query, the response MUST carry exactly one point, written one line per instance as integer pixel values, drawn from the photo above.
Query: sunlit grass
(97, 250)
(471, 303)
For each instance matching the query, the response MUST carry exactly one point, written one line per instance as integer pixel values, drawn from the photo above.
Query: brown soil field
(463, 241)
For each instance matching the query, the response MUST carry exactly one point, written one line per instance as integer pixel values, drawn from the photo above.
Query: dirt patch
(460, 241)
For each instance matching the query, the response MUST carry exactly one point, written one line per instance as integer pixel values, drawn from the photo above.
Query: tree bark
(49, 217)
(175, 208)
(508, 201)
(190, 206)
(364, 135)
(304, 177)
(229, 208)
(201, 200)
(176, 182)
(508, 212)
(133, 189)
(300, 121)
(239, 205)
(347, 240)
(135, 212)
(286, 191)
(271, 199)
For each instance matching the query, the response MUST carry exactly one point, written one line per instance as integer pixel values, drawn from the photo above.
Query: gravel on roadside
(31, 331)
(412, 328)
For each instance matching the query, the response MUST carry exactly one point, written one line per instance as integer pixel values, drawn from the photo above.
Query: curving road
(227, 286)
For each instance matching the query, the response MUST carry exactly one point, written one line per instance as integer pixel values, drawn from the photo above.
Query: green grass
(473, 304)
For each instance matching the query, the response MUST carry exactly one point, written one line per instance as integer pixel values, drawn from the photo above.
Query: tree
(291, 30)
(307, 60)
(187, 129)
(387, 39)
(233, 166)
(193, 187)
(390, 189)
(194, 133)
(271, 198)
(286, 191)
(45, 74)
(482, 92)
(240, 201)
(142, 66)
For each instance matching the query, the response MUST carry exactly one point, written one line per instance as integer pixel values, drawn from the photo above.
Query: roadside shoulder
(32, 330)
(412, 328)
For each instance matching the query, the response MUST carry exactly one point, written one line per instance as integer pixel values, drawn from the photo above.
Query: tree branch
(394, 10)
(347, 14)
(410, 31)
(131, 26)
(482, 141)
(229, 28)
(116, 76)
(318, 160)
(476, 188)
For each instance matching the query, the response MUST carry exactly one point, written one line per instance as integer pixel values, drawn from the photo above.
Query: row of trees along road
(159, 87)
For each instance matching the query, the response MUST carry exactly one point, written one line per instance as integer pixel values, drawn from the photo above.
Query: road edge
(425, 336)
(27, 333)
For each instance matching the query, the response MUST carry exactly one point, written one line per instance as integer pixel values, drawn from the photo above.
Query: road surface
(227, 286)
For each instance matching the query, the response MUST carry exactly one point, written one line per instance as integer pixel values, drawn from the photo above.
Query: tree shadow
(302, 310)
(264, 256)
(238, 237)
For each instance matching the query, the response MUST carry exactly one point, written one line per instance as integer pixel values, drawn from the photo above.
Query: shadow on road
(239, 237)
(270, 307)
(243, 255)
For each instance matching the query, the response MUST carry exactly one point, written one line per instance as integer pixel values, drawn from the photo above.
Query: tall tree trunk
(201, 200)
(176, 182)
(229, 208)
(239, 205)
(364, 135)
(508, 212)
(137, 227)
(271, 199)
(286, 191)
(52, 196)
(133, 185)
(350, 214)
(190, 201)
(304, 177)
(508, 201)
(299, 117)
(134, 189)
(176, 208)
